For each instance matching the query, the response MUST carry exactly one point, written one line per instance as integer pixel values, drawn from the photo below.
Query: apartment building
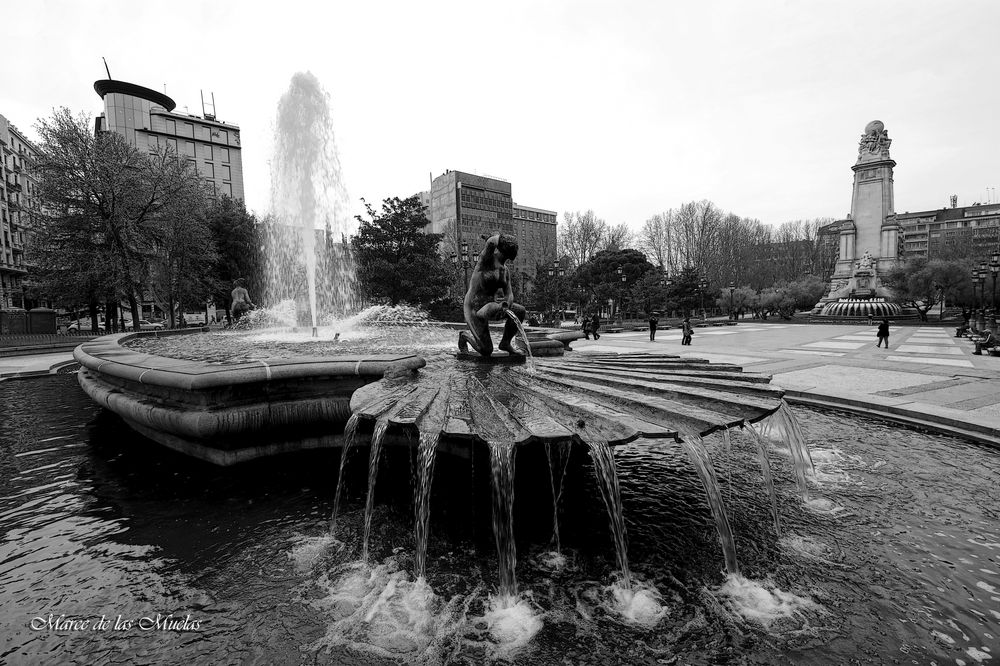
(18, 204)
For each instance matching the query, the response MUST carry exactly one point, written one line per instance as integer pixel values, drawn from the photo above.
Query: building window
(172, 145)
(189, 148)
(206, 151)
(226, 174)
(225, 154)
(227, 189)
(188, 130)
(209, 170)
(171, 126)
(223, 136)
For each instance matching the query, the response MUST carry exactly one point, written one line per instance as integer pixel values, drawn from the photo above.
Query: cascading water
(560, 462)
(502, 477)
(530, 360)
(373, 457)
(350, 435)
(782, 426)
(426, 455)
(308, 197)
(765, 468)
(695, 448)
(607, 479)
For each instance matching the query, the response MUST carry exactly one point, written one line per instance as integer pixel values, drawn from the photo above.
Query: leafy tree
(396, 261)
(600, 280)
(111, 198)
(921, 283)
(239, 241)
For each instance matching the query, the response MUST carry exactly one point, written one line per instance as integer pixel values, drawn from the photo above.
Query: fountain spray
(309, 203)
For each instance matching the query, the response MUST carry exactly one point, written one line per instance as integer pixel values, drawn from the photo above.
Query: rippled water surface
(894, 559)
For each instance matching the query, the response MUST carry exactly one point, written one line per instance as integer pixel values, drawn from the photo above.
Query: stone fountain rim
(107, 355)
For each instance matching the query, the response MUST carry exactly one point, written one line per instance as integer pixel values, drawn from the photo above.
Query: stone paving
(926, 375)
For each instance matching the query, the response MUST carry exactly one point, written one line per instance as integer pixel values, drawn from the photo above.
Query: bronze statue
(481, 306)
(241, 299)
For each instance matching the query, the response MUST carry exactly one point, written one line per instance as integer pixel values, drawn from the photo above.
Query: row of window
(204, 132)
(208, 151)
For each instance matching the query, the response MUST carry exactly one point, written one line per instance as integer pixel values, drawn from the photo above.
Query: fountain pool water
(903, 566)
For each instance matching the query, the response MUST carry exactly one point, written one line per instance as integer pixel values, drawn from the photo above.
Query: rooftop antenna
(106, 69)
(206, 114)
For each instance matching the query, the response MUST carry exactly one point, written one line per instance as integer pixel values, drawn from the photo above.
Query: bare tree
(582, 236)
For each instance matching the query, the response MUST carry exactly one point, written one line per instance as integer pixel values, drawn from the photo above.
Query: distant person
(687, 331)
(653, 321)
(988, 341)
(595, 325)
(241, 299)
(585, 319)
(883, 333)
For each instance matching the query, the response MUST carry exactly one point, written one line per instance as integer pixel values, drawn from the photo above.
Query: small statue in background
(241, 299)
(489, 276)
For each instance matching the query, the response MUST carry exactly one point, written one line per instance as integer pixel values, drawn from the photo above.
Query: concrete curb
(983, 433)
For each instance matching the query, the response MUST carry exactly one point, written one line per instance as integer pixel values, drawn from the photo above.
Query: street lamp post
(702, 286)
(466, 261)
(975, 283)
(732, 306)
(994, 269)
(558, 271)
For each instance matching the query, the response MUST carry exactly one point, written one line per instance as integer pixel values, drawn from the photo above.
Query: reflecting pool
(894, 557)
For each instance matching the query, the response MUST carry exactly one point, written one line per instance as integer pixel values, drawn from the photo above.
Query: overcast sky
(626, 108)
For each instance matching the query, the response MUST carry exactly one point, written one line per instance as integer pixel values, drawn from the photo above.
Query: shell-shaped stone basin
(612, 397)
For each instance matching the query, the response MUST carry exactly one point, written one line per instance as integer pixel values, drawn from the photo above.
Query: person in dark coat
(653, 321)
(883, 333)
(586, 326)
(595, 325)
(687, 330)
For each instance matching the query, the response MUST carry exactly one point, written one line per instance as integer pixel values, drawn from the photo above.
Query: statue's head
(239, 282)
(507, 246)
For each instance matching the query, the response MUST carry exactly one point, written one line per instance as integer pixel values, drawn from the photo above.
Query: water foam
(762, 601)
(641, 604)
(512, 622)
(310, 550)
(380, 611)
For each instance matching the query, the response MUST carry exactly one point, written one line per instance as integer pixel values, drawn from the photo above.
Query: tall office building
(146, 119)
(465, 207)
(18, 203)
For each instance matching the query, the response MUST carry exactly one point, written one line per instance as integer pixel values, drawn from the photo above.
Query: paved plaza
(926, 377)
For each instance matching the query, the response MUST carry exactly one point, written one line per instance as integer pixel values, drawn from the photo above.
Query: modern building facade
(18, 205)
(467, 207)
(955, 232)
(146, 119)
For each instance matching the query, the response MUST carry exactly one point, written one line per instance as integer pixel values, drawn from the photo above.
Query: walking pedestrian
(883, 333)
(653, 321)
(595, 325)
(687, 330)
(586, 327)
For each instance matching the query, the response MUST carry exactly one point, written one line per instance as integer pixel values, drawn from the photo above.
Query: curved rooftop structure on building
(105, 86)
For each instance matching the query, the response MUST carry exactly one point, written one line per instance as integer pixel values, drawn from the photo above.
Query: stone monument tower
(872, 228)
(869, 237)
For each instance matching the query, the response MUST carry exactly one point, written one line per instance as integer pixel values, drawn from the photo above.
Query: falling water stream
(350, 435)
(529, 359)
(426, 456)
(765, 468)
(695, 448)
(502, 481)
(607, 479)
(557, 467)
(373, 457)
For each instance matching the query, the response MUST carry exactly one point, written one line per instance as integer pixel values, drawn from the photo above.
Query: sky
(628, 108)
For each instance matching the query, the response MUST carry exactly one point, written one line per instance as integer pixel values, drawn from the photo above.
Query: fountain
(334, 385)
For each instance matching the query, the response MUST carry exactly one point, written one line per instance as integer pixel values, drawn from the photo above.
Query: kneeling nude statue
(481, 307)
